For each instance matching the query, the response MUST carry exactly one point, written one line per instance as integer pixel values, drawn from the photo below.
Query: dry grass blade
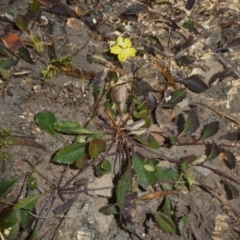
(23, 141)
(221, 114)
(155, 195)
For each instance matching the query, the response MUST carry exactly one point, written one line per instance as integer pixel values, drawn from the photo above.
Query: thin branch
(218, 172)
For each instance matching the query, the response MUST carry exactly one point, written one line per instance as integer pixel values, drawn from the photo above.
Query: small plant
(36, 41)
(53, 69)
(129, 137)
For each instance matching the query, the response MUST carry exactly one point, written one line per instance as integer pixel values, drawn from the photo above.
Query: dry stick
(172, 160)
(200, 164)
(51, 200)
(86, 190)
(220, 113)
(51, 184)
(227, 65)
(79, 172)
(46, 217)
(218, 172)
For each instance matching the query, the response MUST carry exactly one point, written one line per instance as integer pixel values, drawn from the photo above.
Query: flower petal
(115, 49)
(120, 41)
(122, 57)
(130, 52)
(127, 43)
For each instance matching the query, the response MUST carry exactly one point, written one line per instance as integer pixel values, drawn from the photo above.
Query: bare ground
(211, 215)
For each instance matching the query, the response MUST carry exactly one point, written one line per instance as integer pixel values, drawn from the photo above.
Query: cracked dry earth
(211, 215)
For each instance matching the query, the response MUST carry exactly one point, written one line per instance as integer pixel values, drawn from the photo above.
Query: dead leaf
(155, 195)
(75, 24)
(167, 126)
(119, 96)
(157, 133)
(57, 7)
(24, 141)
(75, 72)
(189, 4)
(79, 11)
(12, 41)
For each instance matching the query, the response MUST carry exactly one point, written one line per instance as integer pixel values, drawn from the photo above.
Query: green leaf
(165, 223)
(11, 231)
(81, 183)
(96, 135)
(152, 142)
(96, 147)
(123, 188)
(184, 167)
(21, 22)
(188, 161)
(167, 176)
(231, 160)
(28, 202)
(32, 183)
(70, 154)
(5, 51)
(182, 223)
(81, 162)
(5, 74)
(145, 177)
(34, 6)
(6, 63)
(210, 129)
(26, 218)
(106, 166)
(215, 151)
(192, 123)
(190, 25)
(149, 167)
(45, 120)
(10, 219)
(148, 140)
(231, 190)
(25, 54)
(141, 114)
(168, 208)
(71, 128)
(148, 123)
(176, 97)
(108, 210)
(5, 185)
(174, 140)
(137, 163)
(35, 231)
(195, 83)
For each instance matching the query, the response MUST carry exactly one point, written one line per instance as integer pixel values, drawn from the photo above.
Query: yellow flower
(123, 49)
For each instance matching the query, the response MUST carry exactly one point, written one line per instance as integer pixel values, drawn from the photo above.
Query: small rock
(103, 182)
